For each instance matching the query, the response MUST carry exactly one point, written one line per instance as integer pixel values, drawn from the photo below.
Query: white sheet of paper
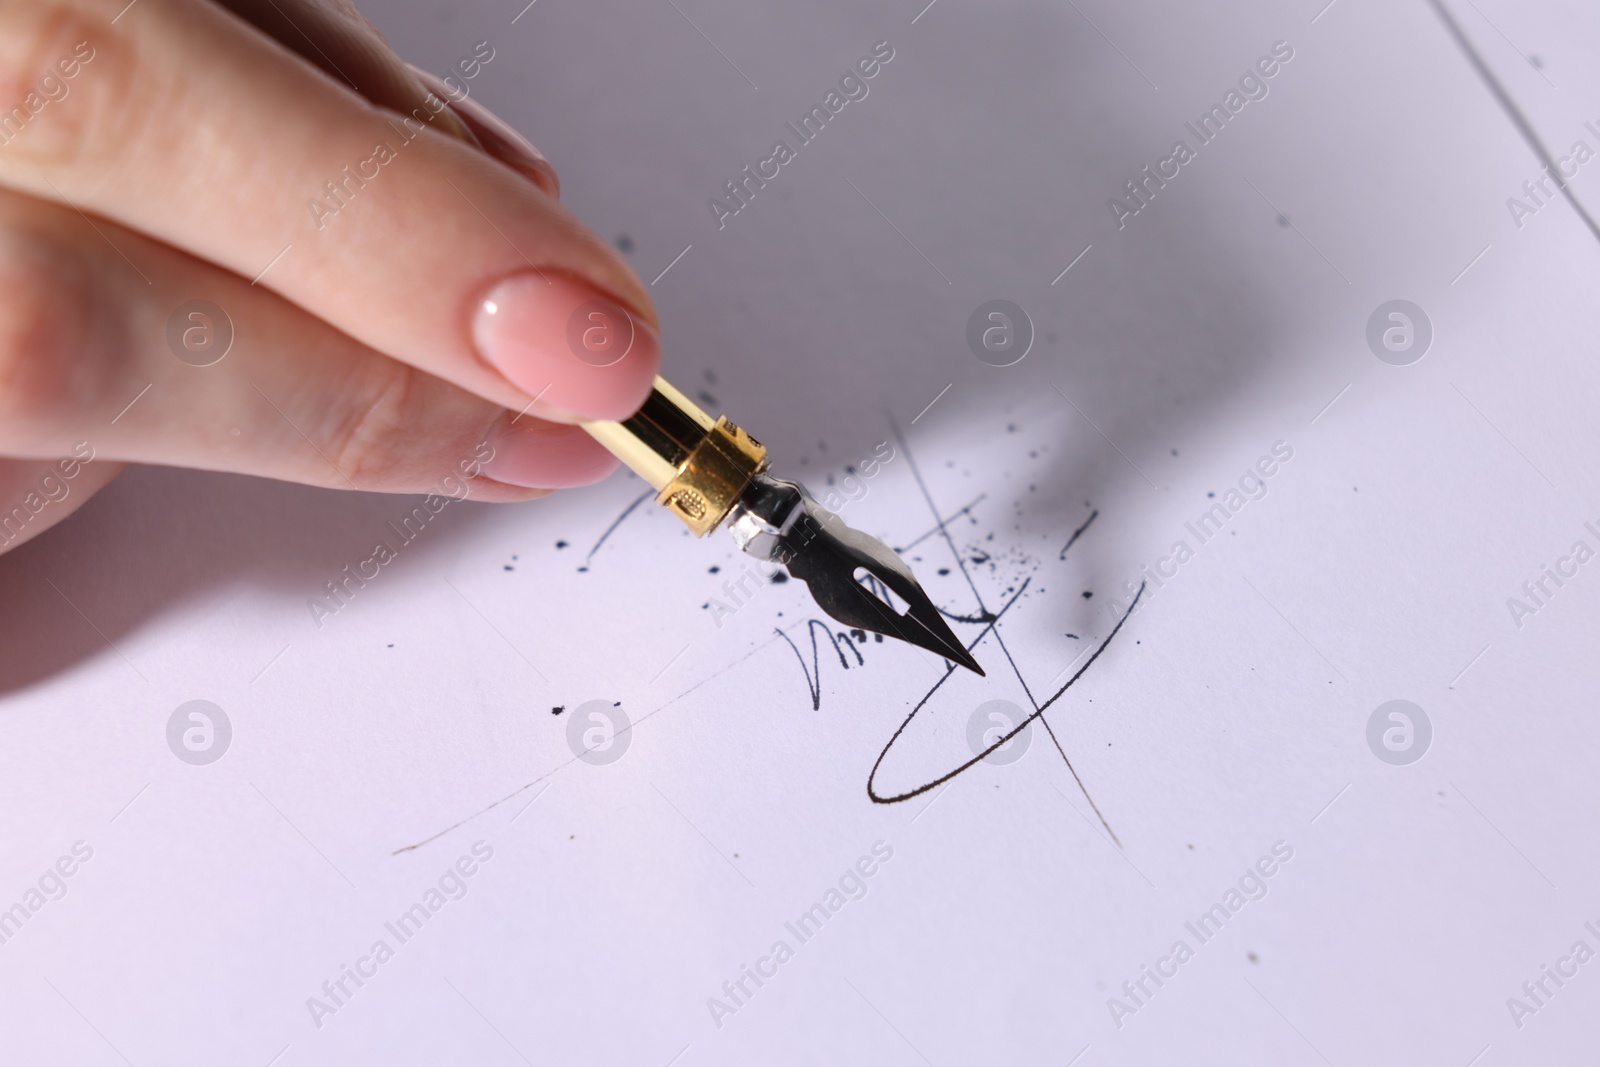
(624, 895)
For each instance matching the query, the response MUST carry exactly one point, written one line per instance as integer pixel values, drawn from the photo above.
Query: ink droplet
(714, 569)
(1087, 594)
(558, 709)
(778, 578)
(561, 544)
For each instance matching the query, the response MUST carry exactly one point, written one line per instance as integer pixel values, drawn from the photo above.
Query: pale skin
(171, 151)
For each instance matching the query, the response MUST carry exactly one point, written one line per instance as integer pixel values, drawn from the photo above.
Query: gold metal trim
(711, 479)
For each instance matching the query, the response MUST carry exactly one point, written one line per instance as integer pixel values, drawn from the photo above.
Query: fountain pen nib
(843, 567)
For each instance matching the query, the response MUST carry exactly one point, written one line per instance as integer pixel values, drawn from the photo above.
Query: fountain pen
(711, 472)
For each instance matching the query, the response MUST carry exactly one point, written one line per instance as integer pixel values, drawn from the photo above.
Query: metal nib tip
(856, 579)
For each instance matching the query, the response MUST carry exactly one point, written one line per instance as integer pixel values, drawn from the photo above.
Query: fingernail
(504, 143)
(545, 455)
(568, 346)
(448, 120)
(496, 136)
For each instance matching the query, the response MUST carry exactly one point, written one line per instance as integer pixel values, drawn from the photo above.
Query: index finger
(176, 119)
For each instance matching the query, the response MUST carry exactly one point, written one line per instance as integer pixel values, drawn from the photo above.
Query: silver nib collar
(780, 521)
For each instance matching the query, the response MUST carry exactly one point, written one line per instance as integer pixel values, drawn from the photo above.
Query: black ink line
(1054, 739)
(872, 792)
(563, 766)
(814, 675)
(916, 473)
(1513, 112)
(640, 499)
(1093, 515)
(982, 616)
(939, 528)
(1085, 792)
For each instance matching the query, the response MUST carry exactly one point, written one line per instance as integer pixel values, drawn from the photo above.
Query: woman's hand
(398, 300)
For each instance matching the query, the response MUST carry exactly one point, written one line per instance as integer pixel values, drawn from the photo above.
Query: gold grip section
(712, 478)
(698, 466)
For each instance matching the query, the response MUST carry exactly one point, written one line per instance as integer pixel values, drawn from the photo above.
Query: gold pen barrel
(697, 465)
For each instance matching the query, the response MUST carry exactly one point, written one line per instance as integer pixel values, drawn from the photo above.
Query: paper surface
(1378, 521)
